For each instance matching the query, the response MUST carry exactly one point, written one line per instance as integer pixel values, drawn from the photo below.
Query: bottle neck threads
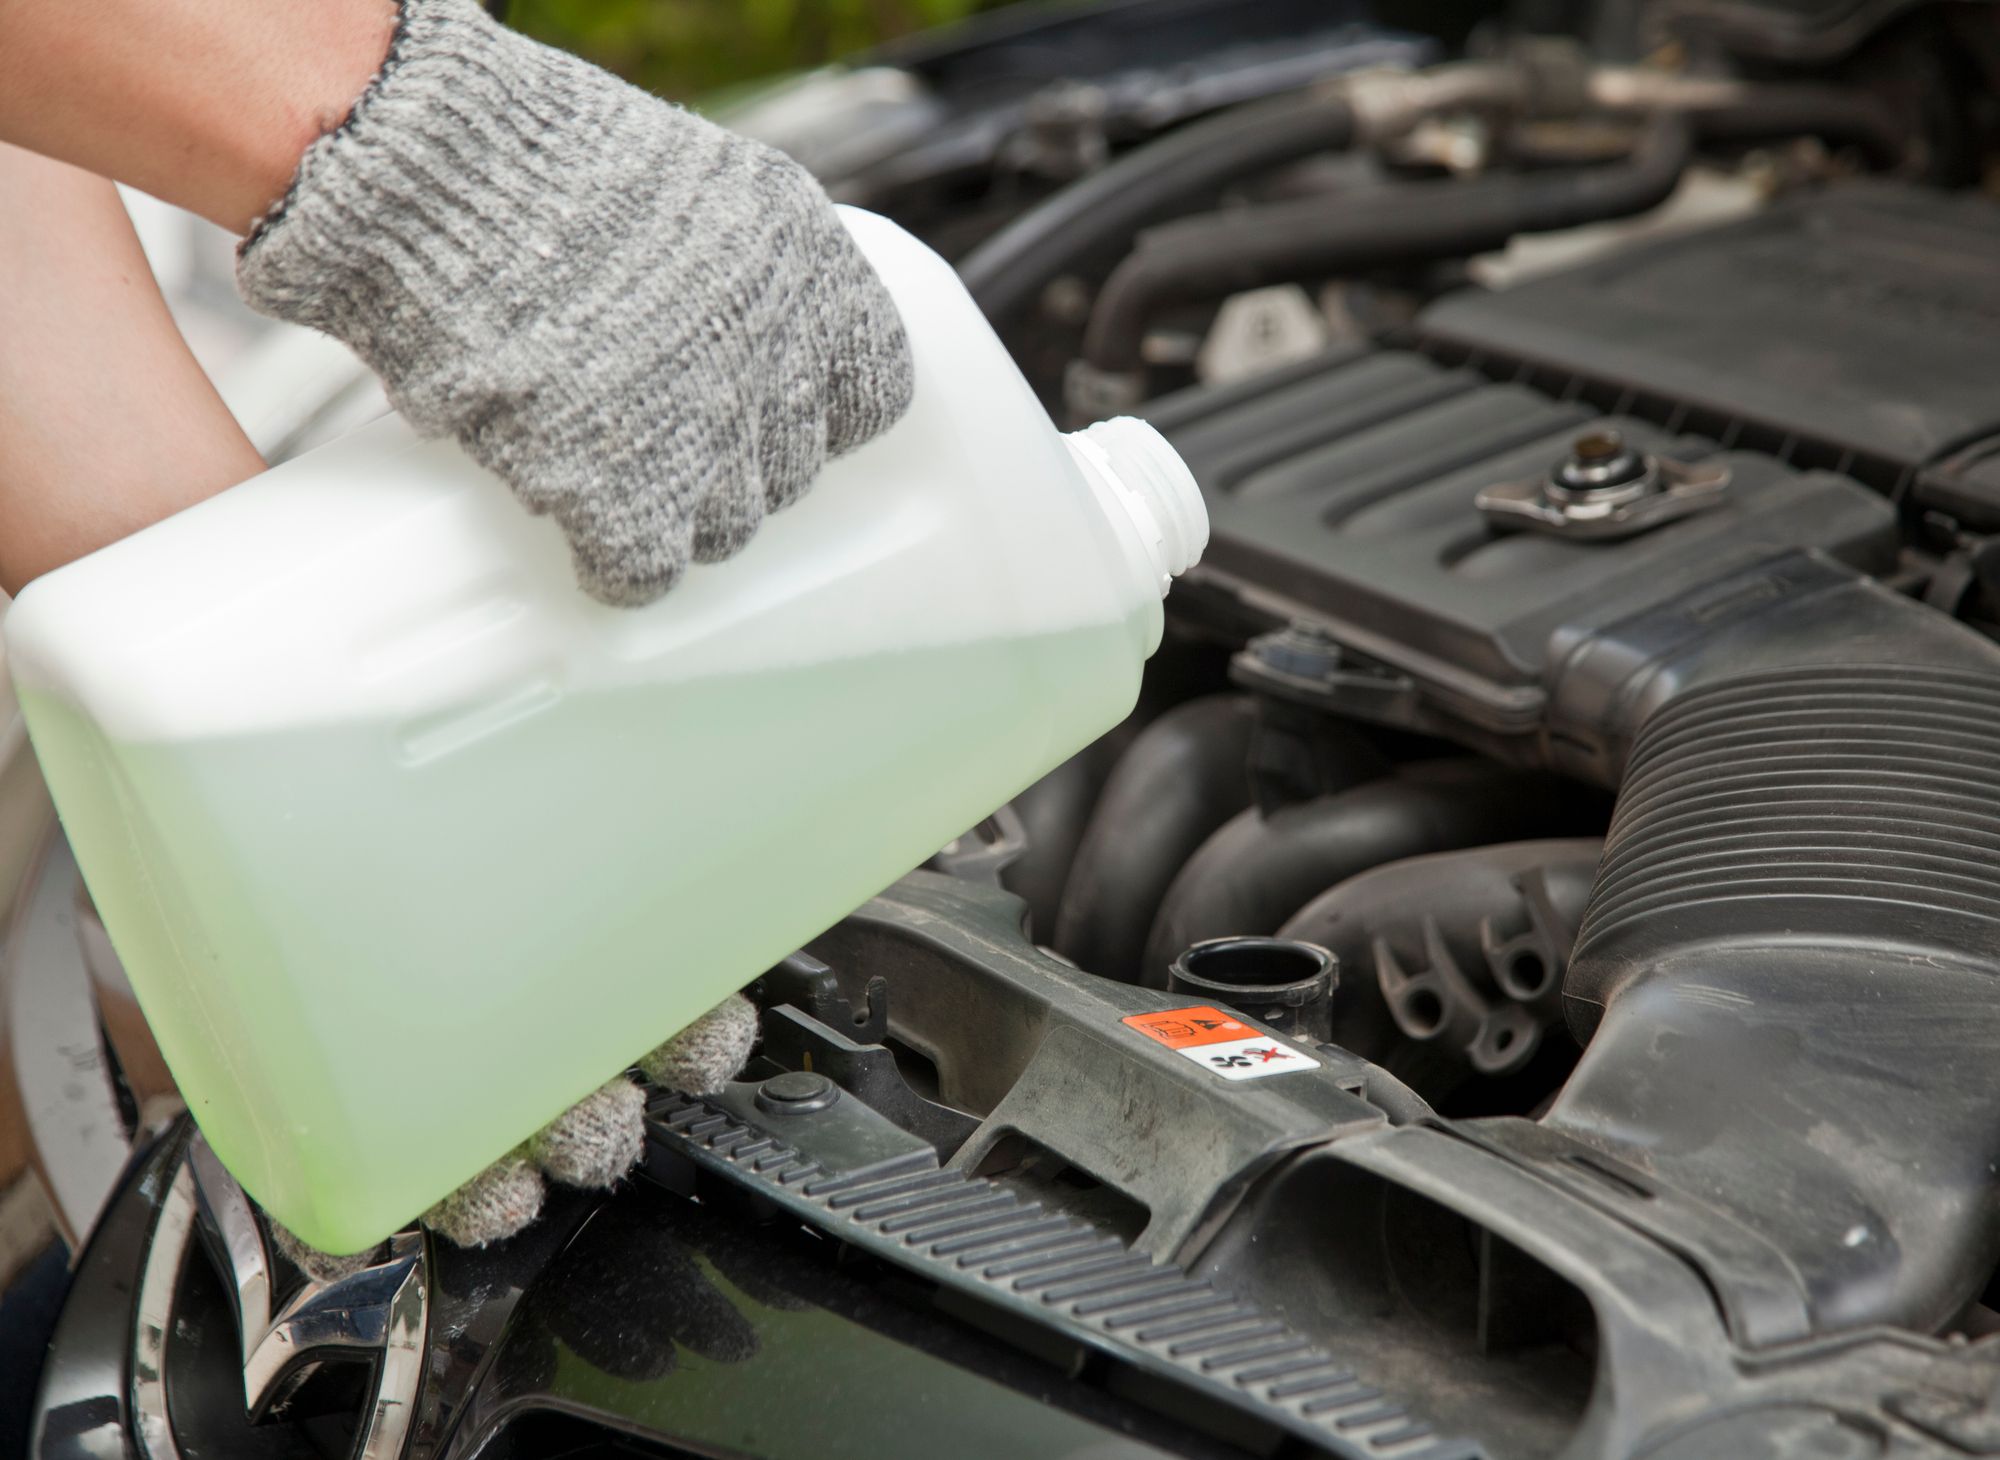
(1137, 469)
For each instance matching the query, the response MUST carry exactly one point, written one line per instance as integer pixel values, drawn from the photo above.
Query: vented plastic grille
(1764, 798)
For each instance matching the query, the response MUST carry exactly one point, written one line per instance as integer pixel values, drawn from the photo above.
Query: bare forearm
(107, 424)
(204, 103)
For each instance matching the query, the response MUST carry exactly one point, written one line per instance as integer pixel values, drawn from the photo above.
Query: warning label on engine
(1221, 1043)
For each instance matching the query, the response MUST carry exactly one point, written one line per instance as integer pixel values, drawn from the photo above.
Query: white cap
(1150, 481)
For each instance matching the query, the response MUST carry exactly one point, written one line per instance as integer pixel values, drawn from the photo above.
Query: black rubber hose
(1837, 117)
(1185, 775)
(1054, 813)
(1105, 211)
(1215, 255)
(1212, 256)
(1257, 871)
(1788, 973)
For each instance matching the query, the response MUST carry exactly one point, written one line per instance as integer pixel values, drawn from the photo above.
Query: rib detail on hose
(1790, 798)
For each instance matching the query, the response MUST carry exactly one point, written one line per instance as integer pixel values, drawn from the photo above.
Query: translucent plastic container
(407, 844)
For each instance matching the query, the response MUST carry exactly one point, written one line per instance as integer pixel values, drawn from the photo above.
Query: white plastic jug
(407, 844)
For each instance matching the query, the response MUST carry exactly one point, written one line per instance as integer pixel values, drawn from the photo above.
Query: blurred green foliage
(687, 48)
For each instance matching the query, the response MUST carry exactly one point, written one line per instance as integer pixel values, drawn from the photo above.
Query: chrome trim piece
(155, 1315)
(381, 1312)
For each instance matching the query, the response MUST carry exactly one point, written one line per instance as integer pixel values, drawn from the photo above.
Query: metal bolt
(1596, 446)
(1599, 464)
(1301, 649)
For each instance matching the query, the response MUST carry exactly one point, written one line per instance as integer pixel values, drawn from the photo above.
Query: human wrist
(436, 155)
(206, 104)
(324, 64)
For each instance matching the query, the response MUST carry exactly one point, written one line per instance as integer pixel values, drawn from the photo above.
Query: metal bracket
(1606, 491)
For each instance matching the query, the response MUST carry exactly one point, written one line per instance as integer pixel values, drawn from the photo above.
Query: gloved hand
(652, 329)
(593, 1144)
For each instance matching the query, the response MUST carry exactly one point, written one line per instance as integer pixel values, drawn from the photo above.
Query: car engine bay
(1522, 983)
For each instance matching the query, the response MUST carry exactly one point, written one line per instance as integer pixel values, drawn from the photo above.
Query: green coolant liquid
(671, 842)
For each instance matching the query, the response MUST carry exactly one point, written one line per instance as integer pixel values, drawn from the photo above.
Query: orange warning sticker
(1221, 1043)
(1186, 1028)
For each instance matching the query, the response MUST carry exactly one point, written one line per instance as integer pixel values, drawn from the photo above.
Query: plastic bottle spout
(1133, 466)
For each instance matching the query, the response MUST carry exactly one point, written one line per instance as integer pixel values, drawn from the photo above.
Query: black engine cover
(1835, 354)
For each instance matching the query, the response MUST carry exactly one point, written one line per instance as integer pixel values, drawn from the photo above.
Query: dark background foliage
(687, 49)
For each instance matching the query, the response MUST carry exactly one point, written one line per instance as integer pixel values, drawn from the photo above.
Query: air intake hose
(1789, 967)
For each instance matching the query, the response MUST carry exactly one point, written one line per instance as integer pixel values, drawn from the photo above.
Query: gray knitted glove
(653, 329)
(591, 1145)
